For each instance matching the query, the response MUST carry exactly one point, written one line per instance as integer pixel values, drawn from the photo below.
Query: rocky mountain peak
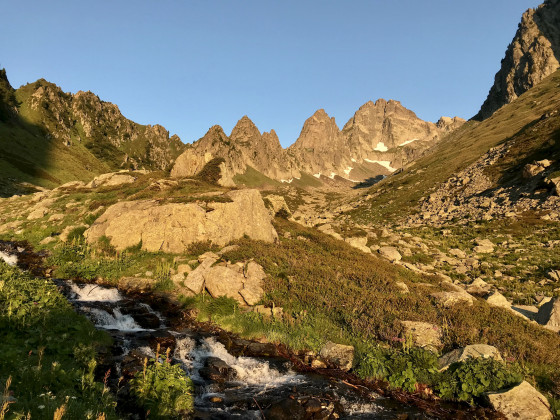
(533, 55)
(8, 103)
(245, 131)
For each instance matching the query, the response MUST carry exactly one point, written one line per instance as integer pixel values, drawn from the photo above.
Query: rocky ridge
(83, 118)
(381, 138)
(533, 54)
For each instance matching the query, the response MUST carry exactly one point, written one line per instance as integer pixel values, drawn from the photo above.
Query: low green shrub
(163, 389)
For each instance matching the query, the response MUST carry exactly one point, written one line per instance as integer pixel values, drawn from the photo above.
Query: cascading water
(248, 386)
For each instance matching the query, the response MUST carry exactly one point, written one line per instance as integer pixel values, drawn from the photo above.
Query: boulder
(484, 246)
(173, 227)
(449, 299)
(554, 275)
(549, 315)
(389, 252)
(340, 355)
(554, 183)
(464, 353)
(531, 170)
(358, 242)
(497, 299)
(423, 334)
(456, 252)
(522, 402)
(403, 288)
(224, 281)
(195, 279)
(111, 179)
(478, 287)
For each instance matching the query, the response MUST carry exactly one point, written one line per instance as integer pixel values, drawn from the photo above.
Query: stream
(234, 378)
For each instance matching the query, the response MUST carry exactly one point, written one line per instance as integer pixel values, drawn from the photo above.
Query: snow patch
(407, 142)
(317, 175)
(332, 175)
(381, 147)
(353, 160)
(347, 170)
(289, 181)
(384, 163)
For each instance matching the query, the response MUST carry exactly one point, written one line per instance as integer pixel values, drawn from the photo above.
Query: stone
(56, 217)
(478, 287)
(342, 356)
(111, 179)
(464, 353)
(359, 242)
(195, 279)
(497, 299)
(183, 269)
(484, 246)
(252, 294)
(47, 240)
(456, 252)
(423, 334)
(173, 227)
(403, 288)
(553, 275)
(37, 214)
(549, 314)
(449, 299)
(224, 281)
(136, 284)
(531, 170)
(390, 253)
(522, 402)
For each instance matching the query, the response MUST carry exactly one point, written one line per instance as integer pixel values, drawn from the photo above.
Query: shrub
(163, 389)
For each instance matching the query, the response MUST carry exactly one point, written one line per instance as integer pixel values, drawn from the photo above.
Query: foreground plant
(163, 389)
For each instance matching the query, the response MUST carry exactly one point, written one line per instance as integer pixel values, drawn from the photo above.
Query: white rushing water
(94, 293)
(250, 371)
(117, 321)
(9, 259)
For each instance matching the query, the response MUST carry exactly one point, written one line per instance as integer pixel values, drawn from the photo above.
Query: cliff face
(82, 118)
(8, 103)
(533, 55)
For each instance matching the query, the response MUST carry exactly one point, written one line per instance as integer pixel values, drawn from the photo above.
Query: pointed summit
(245, 131)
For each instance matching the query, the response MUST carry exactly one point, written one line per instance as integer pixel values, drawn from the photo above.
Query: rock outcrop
(172, 227)
(533, 54)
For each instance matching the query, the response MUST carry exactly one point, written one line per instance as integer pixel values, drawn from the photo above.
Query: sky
(192, 64)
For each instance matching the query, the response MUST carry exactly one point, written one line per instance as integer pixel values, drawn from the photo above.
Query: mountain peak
(245, 130)
(533, 55)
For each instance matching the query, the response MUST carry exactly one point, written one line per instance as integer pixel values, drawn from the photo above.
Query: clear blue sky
(191, 64)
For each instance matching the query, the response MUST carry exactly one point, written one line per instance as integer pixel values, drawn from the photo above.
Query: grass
(253, 179)
(48, 351)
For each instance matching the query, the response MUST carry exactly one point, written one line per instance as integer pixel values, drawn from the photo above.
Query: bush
(472, 378)
(163, 389)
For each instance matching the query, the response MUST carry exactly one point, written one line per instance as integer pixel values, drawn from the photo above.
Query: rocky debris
(423, 334)
(449, 299)
(359, 242)
(470, 351)
(522, 402)
(390, 253)
(111, 179)
(471, 195)
(555, 183)
(136, 284)
(456, 252)
(172, 227)
(549, 314)
(339, 355)
(530, 170)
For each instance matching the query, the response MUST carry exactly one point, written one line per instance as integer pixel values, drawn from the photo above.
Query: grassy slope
(457, 151)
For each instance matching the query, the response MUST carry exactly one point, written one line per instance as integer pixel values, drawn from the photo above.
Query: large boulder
(522, 402)
(449, 299)
(470, 351)
(111, 179)
(340, 355)
(172, 227)
(225, 280)
(390, 253)
(549, 315)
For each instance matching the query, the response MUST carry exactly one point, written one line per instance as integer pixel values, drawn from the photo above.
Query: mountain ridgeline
(48, 137)
(380, 138)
